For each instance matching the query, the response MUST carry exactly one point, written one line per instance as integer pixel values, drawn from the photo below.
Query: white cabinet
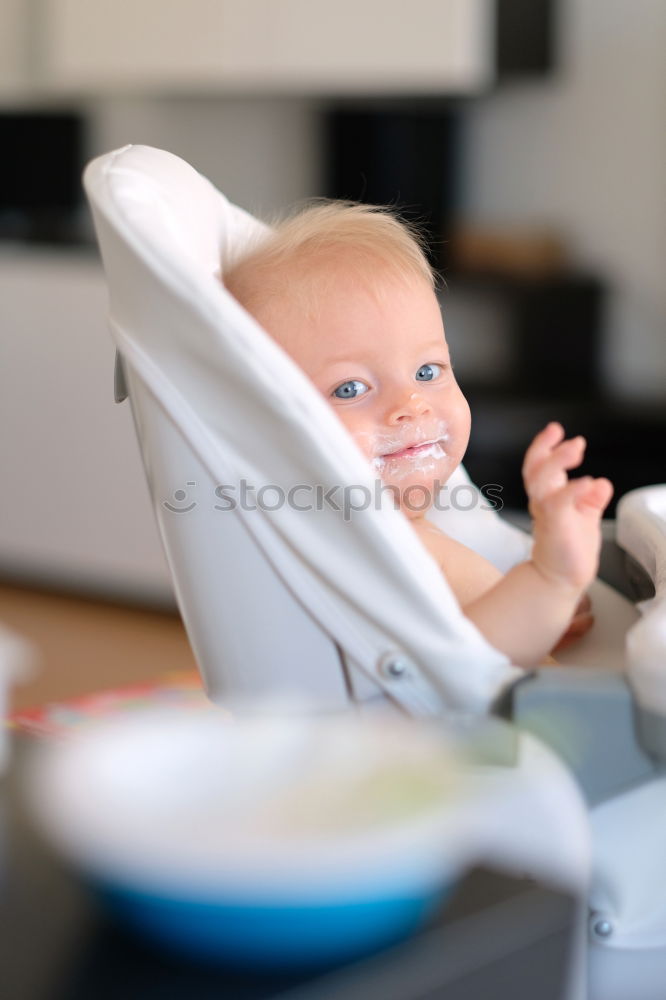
(289, 46)
(115, 45)
(74, 505)
(13, 47)
(371, 46)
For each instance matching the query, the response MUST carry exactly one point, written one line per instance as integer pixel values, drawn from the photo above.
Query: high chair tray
(499, 936)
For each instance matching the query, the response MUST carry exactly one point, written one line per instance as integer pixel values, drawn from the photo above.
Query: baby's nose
(411, 406)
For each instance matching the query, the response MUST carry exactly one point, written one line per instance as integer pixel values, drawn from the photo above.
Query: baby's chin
(415, 493)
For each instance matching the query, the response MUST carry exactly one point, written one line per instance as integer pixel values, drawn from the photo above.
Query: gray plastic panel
(589, 719)
(620, 570)
(651, 729)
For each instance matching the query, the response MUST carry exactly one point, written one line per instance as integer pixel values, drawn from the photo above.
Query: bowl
(265, 842)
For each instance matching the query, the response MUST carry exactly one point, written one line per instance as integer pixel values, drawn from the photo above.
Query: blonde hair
(299, 253)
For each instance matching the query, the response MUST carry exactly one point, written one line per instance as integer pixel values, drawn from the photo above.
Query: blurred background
(525, 135)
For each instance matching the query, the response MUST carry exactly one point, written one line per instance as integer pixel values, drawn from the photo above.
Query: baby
(348, 293)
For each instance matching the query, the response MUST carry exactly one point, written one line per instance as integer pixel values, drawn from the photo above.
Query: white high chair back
(328, 605)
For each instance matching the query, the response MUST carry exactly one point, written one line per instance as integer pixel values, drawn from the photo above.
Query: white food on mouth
(383, 446)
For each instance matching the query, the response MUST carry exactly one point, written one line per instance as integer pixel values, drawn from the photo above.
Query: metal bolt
(601, 927)
(397, 668)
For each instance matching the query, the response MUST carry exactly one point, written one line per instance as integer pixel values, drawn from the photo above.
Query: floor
(86, 645)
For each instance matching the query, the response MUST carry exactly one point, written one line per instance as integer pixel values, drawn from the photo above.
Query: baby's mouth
(432, 447)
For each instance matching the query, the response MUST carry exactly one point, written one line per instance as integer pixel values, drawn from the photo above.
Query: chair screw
(396, 668)
(601, 927)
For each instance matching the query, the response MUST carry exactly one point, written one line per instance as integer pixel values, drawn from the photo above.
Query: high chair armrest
(620, 570)
(588, 717)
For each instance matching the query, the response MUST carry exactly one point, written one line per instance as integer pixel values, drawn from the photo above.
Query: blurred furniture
(41, 206)
(258, 45)
(624, 438)
(435, 47)
(531, 348)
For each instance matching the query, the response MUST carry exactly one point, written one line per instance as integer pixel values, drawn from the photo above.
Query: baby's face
(382, 362)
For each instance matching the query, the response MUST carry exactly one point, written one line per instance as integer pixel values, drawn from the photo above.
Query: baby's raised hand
(566, 512)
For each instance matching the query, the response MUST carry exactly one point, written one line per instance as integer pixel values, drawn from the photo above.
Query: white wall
(587, 153)
(263, 153)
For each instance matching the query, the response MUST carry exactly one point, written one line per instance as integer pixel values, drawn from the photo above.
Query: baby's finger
(574, 633)
(585, 494)
(584, 605)
(581, 624)
(596, 495)
(542, 446)
(573, 494)
(551, 473)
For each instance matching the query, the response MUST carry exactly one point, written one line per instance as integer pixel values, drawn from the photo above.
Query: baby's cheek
(361, 435)
(456, 445)
(459, 430)
(369, 441)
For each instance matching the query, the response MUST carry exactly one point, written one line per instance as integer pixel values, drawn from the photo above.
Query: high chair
(296, 582)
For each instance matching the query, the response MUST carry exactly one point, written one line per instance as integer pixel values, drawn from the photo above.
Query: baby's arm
(467, 573)
(582, 622)
(526, 611)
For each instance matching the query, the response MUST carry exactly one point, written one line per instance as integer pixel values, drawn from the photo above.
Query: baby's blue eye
(351, 389)
(427, 373)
